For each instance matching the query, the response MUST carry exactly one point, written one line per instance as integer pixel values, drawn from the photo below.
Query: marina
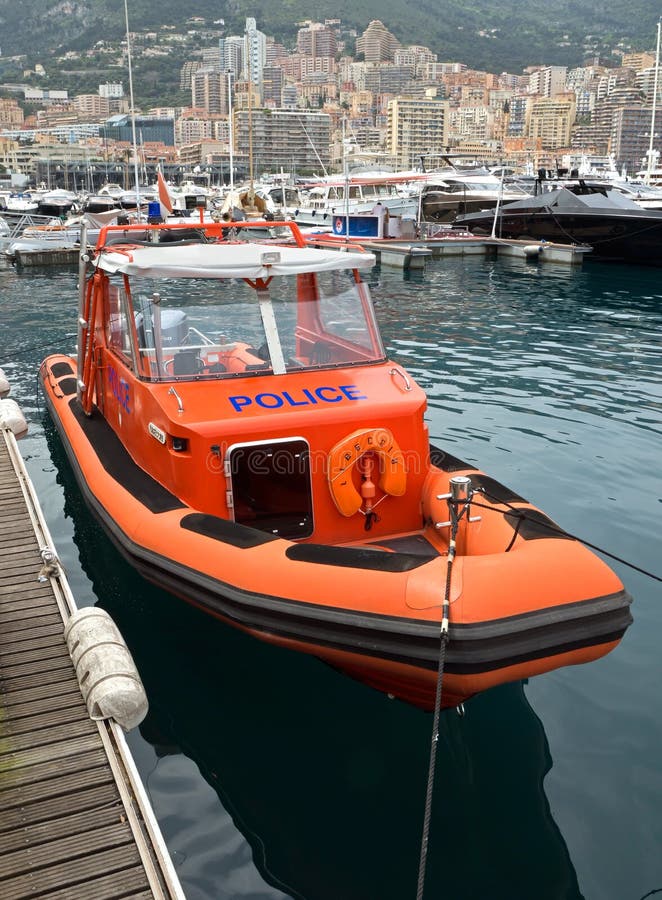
(348, 435)
(532, 346)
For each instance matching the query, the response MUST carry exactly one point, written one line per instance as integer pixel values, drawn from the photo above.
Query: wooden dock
(75, 821)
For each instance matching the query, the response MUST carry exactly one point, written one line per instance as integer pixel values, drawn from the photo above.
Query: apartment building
(416, 127)
(272, 86)
(548, 81)
(91, 107)
(551, 119)
(315, 40)
(377, 44)
(630, 134)
(209, 91)
(297, 140)
(470, 123)
(10, 113)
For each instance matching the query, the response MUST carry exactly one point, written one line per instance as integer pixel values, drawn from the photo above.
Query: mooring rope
(443, 640)
(521, 516)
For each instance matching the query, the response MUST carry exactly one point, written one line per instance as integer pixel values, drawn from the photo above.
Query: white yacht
(333, 197)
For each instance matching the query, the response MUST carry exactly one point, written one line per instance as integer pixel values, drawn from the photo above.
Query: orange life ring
(347, 452)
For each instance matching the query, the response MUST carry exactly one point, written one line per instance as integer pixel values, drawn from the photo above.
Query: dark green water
(273, 775)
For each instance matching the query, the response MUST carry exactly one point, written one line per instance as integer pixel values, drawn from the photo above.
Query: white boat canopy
(235, 260)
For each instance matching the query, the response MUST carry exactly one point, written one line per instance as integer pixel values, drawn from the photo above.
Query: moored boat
(617, 228)
(249, 447)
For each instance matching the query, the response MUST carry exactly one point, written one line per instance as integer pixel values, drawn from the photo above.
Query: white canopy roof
(226, 260)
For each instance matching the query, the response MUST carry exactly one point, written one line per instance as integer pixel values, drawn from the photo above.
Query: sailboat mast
(251, 191)
(346, 179)
(649, 170)
(133, 108)
(231, 131)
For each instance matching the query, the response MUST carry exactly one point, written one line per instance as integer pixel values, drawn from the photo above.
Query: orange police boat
(233, 421)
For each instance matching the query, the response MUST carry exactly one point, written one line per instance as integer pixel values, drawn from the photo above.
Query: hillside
(503, 36)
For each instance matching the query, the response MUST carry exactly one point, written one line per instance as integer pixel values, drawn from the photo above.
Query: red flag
(164, 196)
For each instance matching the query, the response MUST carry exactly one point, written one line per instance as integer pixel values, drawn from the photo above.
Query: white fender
(12, 419)
(107, 675)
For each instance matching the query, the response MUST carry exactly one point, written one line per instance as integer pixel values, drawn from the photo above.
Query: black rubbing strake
(119, 465)
(227, 532)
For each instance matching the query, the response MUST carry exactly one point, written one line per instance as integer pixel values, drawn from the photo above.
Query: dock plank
(68, 824)
(36, 811)
(87, 770)
(62, 714)
(72, 827)
(129, 884)
(62, 876)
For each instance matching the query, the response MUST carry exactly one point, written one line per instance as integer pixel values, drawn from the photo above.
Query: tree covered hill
(497, 36)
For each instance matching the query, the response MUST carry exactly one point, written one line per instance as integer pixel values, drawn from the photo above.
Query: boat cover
(232, 260)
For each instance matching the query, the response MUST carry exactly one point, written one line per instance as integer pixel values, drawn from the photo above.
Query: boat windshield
(195, 329)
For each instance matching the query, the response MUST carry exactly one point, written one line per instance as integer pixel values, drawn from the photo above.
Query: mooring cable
(520, 515)
(443, 640)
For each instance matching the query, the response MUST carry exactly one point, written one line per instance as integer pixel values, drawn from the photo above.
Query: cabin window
(271, 488)
(207, 328)
(118, 331)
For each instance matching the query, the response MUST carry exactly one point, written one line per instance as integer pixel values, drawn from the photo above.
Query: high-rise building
(517, 116)
(186, 73)
(416, 127)
(272, 86)
(209, 91)
(377, 44)
(232, 54)
(630, 135)
(551, 119)
(297, 140)
(316, 40)
(387, 78)
(645, 80)
(548, 81)
(255, 52)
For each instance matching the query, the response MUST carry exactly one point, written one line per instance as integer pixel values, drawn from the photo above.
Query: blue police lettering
(311, 397)
(240, 401)
(318, 393)
(292, 401)
(119, 388)
(261, 400)
(302, 397)
(351, 392)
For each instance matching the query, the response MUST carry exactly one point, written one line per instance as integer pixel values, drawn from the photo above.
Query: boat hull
(631, 238)
(374, 615)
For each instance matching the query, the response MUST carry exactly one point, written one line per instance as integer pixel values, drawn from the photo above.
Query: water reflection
(319, 779)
